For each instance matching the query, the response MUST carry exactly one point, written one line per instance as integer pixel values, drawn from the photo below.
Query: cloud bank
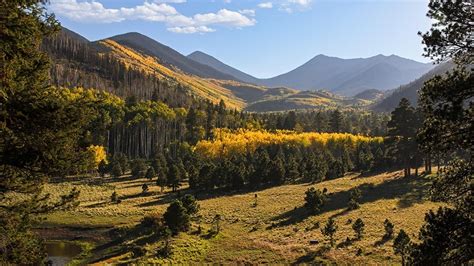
(91, 11)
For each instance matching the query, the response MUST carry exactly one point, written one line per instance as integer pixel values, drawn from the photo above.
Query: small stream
(60, 253)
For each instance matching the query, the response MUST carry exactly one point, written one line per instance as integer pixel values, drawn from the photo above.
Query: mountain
(168, 56)
(208, 60)
(370, 95)
(410, 90)
(343, 76)
(351, 76)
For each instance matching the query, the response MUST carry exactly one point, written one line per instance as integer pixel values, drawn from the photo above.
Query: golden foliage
(98, 154)
(228, 142)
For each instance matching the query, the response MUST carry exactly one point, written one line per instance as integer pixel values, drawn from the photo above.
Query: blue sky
(263, 38)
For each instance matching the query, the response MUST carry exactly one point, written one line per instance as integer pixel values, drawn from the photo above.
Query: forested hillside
(410, 91)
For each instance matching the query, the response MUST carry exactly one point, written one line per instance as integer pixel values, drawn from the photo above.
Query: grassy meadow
(277, 229)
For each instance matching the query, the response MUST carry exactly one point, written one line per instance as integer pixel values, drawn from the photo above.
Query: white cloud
(265, 5)
(224, 17)
(191, 29)
(248, 12)
(301, 2)
(159, 11)
(295, 5)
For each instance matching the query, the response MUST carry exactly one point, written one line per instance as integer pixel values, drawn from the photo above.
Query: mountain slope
(168, 56)
(344, 76)
(351, 76)
(410, 90)
(208, 60)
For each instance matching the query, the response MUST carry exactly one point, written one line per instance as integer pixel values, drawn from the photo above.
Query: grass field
(277, 230)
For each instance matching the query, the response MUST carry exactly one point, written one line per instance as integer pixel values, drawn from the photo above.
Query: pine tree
(388, 227)
(329, 230)
(174, 178)
(358, 227)
(176, 217)
(40, 129)
(402, 245)
(336, 121)
(314, 200)
(150, 173)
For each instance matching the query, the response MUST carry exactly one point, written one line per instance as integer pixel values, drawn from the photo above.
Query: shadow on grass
(124, 241)
(409, 191)
(313, 257)
(382, 241)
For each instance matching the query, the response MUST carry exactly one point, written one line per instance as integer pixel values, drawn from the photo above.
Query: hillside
(168, 56)
(284, 99)
(410, 90)
(277, 230)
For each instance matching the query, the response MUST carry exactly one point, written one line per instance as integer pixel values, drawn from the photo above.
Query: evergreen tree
(329, 230)
(315, 200)
(174, 178)
(402, 129)
(402, 246)
(358, 227)
(336, 121)
(277, 171)
(138, 168)
(150, 173)
(354, 199)
(446, 237)
(40, 129)
(446, 102)
(116, 170)
(176, 217)
(190, 204)
(161, 180)
(103, 168)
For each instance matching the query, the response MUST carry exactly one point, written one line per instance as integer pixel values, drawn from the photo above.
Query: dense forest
(68, 108)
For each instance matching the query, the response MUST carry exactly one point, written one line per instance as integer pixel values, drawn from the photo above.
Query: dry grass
(278, 229)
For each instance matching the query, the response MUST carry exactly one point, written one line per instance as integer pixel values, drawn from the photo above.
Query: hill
(410, 90)
(284, 99)
(277, 230)
(208, 60)
(370, 95)
(168, 56)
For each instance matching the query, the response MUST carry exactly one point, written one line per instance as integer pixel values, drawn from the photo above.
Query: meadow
(277, 229)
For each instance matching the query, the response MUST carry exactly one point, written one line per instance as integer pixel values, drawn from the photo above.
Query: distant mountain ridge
(344, 76)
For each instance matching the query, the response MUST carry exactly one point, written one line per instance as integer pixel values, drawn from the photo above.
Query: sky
(263, 38)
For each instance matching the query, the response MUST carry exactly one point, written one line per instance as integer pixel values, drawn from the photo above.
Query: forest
(73, 116)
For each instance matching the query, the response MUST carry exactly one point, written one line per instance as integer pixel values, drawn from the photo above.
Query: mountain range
(320, 83)
(343, 76)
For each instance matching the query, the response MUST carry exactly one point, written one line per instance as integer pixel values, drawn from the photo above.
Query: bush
(144, 188)
(114, 197)
(388, 226)
(314, 200)
(116, 170)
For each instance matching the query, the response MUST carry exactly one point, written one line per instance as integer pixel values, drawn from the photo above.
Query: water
(60, 253)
